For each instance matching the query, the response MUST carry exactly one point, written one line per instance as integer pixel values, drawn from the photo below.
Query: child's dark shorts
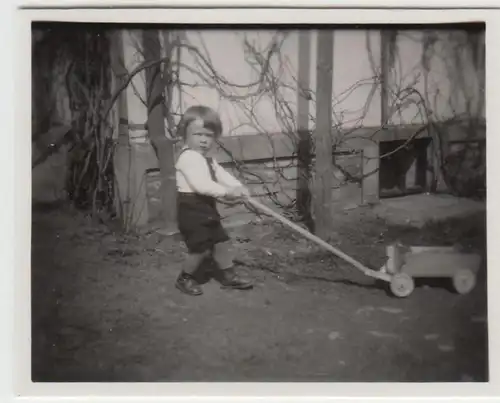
(199, 222)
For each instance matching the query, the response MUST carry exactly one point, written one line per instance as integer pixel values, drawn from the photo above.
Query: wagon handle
(367, 271)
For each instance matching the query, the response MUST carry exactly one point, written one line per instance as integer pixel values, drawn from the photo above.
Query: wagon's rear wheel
(464, 280)
(402, 285)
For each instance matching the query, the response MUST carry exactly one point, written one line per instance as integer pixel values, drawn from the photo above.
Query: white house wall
(356, 64)
(356, 58)
(450, 82)
(241, 112)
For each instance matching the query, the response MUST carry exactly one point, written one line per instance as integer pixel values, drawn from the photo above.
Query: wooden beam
(323, 179)
(164, 147)
(387, 41)
(304, 144)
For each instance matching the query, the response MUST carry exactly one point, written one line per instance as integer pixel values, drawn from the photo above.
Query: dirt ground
(105, 308)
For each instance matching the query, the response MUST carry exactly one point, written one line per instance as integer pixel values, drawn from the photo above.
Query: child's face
(199, 138)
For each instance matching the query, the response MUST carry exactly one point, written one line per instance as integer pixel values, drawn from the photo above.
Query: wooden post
(304, 157)
(386, 44)
(163, 146)
(323, 141)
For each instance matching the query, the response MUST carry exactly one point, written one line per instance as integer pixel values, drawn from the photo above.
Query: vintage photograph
(258, 203)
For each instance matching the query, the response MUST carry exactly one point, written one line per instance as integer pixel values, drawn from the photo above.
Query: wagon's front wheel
(464, 281)
(402, 285)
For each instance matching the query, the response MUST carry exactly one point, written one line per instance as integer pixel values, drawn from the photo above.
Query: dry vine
(92, 171)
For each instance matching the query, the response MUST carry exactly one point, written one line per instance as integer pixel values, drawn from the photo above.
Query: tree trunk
(304, 155)
(156, 127)
(387, 39)
(323, 179)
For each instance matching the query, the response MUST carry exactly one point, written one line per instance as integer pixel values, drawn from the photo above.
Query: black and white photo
(258, 203)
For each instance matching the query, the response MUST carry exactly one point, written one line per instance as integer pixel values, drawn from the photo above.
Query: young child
(201, 182)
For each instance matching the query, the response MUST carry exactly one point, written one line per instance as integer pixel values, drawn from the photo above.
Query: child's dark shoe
(188, 285)
(228, 278)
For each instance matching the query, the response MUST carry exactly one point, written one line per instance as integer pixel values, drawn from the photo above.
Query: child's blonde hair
(211, 120)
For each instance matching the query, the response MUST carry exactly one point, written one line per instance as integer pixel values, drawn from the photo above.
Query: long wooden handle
(312, 237)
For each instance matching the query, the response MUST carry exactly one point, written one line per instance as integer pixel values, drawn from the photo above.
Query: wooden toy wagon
(405, 263)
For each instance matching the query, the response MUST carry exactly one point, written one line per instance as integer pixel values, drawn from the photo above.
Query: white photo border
(18, 246)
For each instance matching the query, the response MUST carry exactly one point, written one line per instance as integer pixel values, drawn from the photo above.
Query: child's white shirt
(193, 175)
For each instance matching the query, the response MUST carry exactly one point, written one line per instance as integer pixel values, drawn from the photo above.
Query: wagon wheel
(402, 285)
(464, 280)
